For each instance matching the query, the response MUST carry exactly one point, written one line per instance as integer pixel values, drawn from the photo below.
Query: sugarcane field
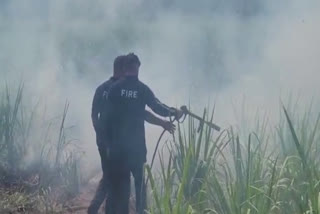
(159, 107)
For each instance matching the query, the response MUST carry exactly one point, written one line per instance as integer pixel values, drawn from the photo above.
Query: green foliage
(267, 173)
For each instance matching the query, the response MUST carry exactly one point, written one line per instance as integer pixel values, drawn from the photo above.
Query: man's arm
(160, 108)
(96, 108)
(152, 119)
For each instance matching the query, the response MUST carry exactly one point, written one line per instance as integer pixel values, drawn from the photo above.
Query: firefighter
(99, 124)
(127, 150)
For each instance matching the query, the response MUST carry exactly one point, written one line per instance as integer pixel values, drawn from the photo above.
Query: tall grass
(269, 172)
(11, 147)
(272, 170)
(35, 159)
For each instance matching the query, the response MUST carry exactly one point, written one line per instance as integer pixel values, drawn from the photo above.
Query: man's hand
(179, 114)
(170, 127)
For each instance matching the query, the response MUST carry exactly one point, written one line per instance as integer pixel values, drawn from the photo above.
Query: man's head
(132, 65)
(118, 66)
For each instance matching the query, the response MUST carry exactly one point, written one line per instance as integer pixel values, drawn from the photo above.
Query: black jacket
(127, 100)
(99, 108)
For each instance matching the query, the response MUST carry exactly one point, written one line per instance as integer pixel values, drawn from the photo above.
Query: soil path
(79, 204)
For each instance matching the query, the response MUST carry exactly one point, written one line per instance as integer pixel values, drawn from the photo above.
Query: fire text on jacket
(129, 93)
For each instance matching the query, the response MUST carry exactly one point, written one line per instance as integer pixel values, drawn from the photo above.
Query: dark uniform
(97, 113)
(127, 99)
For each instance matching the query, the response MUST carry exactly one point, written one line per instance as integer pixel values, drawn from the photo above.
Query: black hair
(132, 59)
(118, 64)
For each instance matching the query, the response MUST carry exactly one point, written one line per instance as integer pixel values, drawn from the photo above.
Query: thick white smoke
(197, 51)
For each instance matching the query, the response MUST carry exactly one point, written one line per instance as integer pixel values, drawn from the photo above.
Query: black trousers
(119, 178)
(103, 186)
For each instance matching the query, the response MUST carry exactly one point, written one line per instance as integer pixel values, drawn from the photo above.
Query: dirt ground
(79, 204)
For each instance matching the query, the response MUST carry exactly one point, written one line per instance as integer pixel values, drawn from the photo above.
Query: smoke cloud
(202, 52)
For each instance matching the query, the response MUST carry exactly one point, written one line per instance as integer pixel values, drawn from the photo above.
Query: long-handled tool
(202, 121)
